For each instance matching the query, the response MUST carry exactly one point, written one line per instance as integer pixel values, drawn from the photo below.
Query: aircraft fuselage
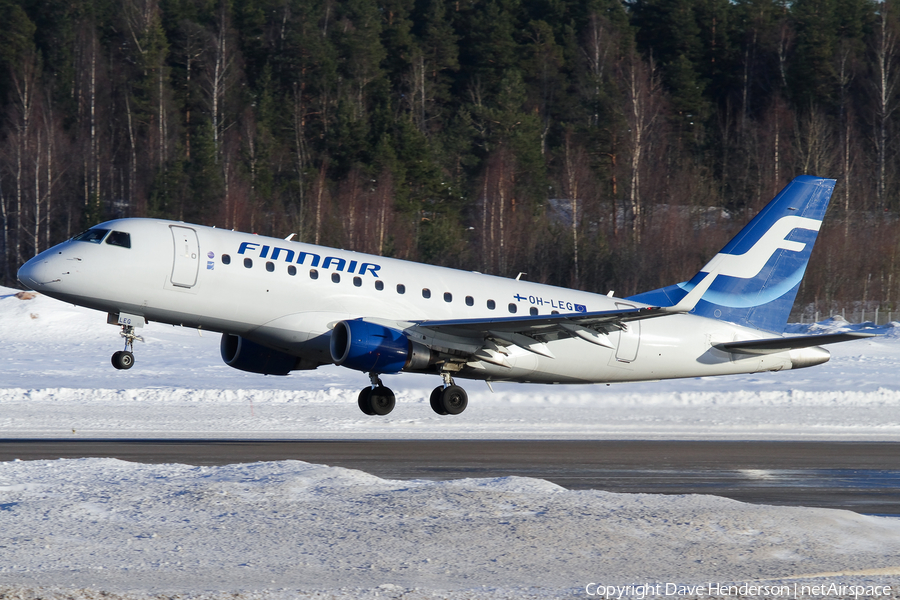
(288, 296)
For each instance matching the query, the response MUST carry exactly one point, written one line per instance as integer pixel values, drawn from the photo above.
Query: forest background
(587, 143)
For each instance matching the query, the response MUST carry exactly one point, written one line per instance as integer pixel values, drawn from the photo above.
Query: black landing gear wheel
(382, 400)
(454, 400)
(379, 401)
(450, 400)
(435, 400)
(122, 359)
(364, 404)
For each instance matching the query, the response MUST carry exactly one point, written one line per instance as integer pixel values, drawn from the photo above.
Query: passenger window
(554, 312)
(379, 285)
(401, 289)
(270, 267)
(248, 262)
(313, 274)
(513, 308)
(119, 238)
(448, 297)
(226, 259)
(470, 301)
(426, 293)
(357, 281)
(292, 270)
(491, 305)
(94, 236)
(336, 277)
(533, 311)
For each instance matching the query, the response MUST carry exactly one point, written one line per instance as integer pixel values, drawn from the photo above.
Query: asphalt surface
(859, 476)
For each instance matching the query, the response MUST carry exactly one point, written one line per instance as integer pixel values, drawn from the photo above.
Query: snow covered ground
(101, 528)
(56, 381)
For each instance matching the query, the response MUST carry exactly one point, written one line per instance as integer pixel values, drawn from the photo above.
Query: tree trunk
(572, 193)
(4, 214)
(36, 226)
(300, 150)
(886, 84)
(24, 81)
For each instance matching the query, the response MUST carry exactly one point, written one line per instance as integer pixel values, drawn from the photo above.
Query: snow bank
(287, 526)
(102, 528)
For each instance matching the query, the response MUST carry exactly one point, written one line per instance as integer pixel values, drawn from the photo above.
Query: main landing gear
(124, 359)
(446, 399)
(376, 399)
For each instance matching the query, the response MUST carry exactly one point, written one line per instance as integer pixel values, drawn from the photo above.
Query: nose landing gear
(124, 359)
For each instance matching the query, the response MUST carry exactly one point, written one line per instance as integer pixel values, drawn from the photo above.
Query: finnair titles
(283, 306)
(330, 263)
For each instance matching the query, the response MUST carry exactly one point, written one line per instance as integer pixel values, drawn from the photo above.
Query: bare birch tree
(814, 137)
(498, 210)
(191, 50)
(845, 74)
(22, 126)
(599, 43)
(885, 83)
(301, 151)
(643, 109)
(89, 66)
(574, 187)
(219, 74)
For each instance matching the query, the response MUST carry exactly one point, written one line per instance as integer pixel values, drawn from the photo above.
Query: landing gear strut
(376, 399)
(449, 398)
(124, 359)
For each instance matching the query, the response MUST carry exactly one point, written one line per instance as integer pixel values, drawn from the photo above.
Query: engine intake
(245, 355)
(363, 346)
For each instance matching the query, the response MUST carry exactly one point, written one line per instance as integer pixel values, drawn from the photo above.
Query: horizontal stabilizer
(773, 345)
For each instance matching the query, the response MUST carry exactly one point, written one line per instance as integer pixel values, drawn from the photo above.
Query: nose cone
(27, 273)
(37, 273)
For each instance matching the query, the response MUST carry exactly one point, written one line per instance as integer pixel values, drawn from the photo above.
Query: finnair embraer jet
(284, 306)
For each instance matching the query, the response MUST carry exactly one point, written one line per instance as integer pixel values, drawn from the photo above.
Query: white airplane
(284, 306)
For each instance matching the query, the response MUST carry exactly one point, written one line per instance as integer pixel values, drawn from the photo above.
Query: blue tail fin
(754, 279)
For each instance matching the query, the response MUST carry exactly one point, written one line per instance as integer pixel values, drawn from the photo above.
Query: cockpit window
(91, 235)
(119, 238)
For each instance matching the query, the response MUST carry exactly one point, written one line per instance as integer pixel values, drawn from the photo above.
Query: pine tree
(812, 74)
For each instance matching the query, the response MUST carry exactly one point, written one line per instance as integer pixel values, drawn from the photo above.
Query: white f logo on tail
(750, 263)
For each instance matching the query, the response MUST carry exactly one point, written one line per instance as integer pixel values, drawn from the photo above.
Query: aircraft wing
(773, 345)
(532, 332)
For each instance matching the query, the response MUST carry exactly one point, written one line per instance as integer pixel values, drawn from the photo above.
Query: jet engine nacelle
(363, 346)
(245, 355)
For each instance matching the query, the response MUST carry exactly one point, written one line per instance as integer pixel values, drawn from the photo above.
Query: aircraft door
(629, 338)
(187, 256)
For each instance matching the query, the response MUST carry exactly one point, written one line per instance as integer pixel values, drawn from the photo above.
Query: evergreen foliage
(594, 143)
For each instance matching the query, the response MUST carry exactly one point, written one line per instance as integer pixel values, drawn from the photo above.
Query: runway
(859, 476)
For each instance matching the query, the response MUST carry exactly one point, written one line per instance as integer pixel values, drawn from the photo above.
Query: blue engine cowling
(245, 355)
(369, 347)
